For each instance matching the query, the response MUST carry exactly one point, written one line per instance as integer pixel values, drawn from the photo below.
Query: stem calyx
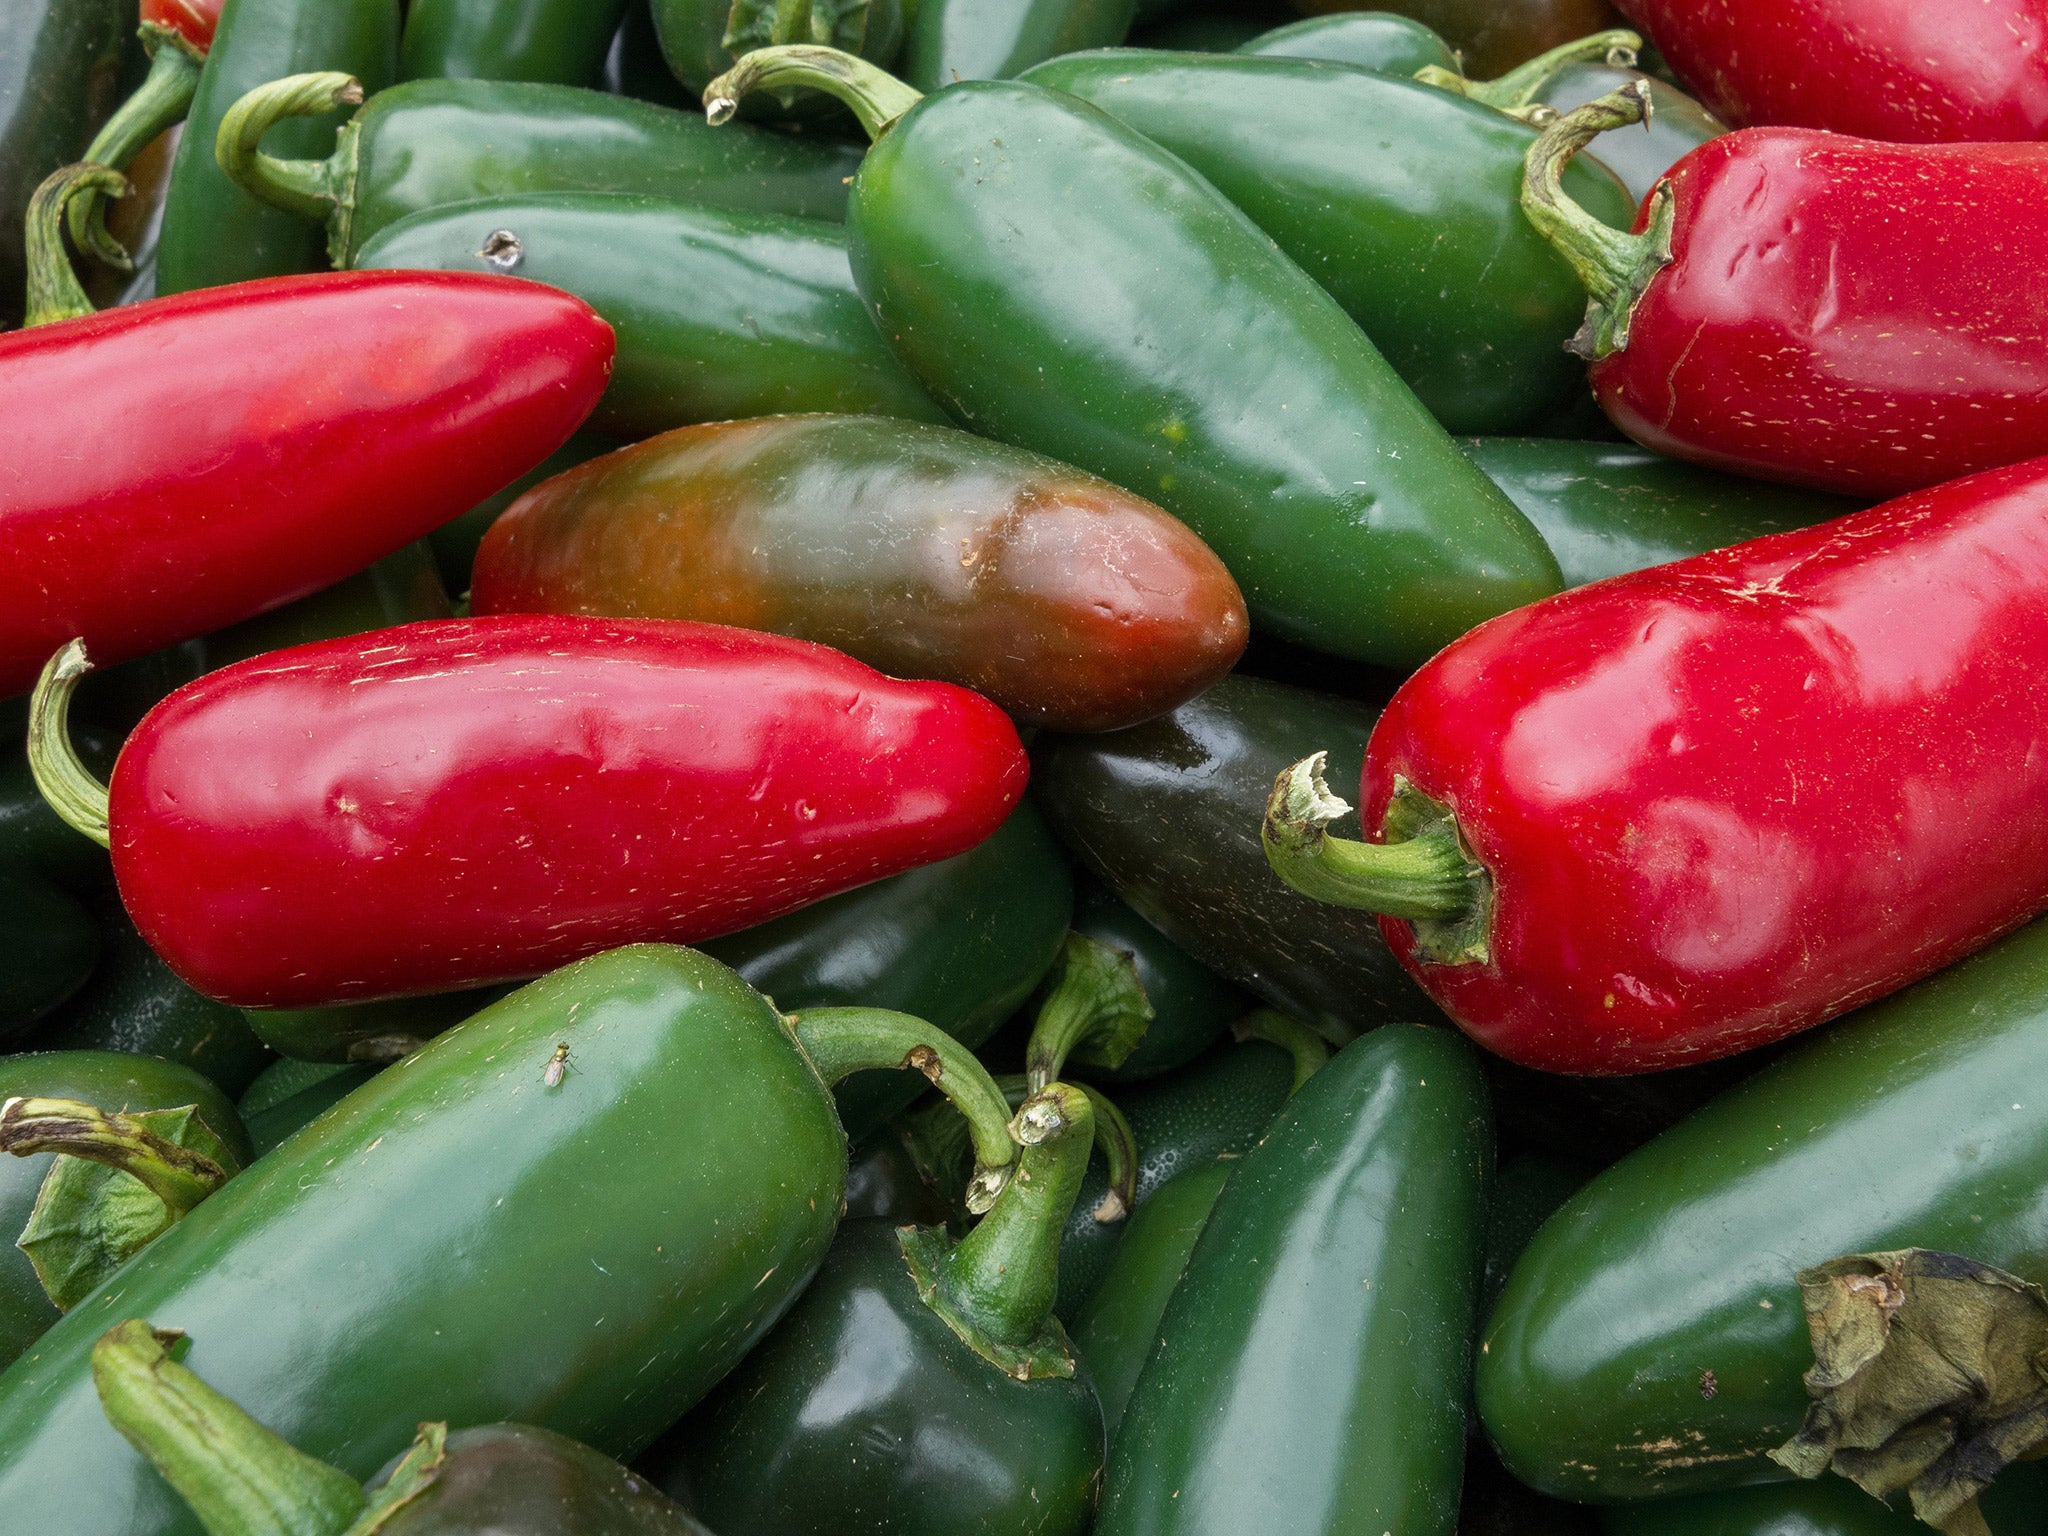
(319, 191)
(872, 94)
(1516, 91)
(1095, 1011)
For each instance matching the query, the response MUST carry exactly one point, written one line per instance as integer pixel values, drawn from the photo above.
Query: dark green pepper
(1129, 295)
(636, 68)
(960, 943)
(1832, 1506)
(1676, 124)
(112, 1081)
(952, 40)
(47, 930)
(1381, 40)
(1191, 1005)
(1202, 32)
(281, 1080)
(719, 315)
(1607, 508)
(1158, 813)
(1494, 36)
(1310, 1370)
(700, 39)
(919, 1387)
(430, 143)
(274, 1125)
(1651, 1338)
(213, 231)
(377, 1032)
(561, 42)
(1115, 1330)
(582, 1205)
(240, 1479)
(1401, 200)
(1494, 1504)
(60, 72)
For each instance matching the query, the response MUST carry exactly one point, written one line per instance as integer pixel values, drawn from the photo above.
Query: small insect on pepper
(558, 1064)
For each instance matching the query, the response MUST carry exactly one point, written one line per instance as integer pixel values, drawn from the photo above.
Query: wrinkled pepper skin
(1422, 241)
(1609, 508)
(111, 1081)
(431, 143)
(1394, 45)
(1129, 295)
(635, 1229)
(1192, 1006)
(1723, 800)
(213, 231)
(1881, 69)
(1115, 1331)
(560, 42)
(1639, 155)
(516, 1480)
(1830, 1506)
(1694, 1239)
(860, 1351)
(60, 74)
(1158, 813)
(1311, 1366)
(719, 315)
(959, 944)
(1812, 365)
(954, 40)
(240, 415)
(1493, 36)
(489, 798)
(922, 551)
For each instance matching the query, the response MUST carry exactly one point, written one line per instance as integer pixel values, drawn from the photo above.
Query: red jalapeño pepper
(182, 464)
(1910, 70)
(1834, 312)
(463, 801)
(1686, 811)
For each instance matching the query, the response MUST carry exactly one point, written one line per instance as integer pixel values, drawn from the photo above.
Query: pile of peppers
(678, 683)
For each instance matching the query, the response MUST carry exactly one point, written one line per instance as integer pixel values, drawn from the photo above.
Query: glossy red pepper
(179, 465)
(1834, 312)
(1695, 808)
(1916, 71)
(463, 801)
(193, 20)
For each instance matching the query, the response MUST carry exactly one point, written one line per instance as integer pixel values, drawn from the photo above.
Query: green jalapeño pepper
(215, 232)
(1495, 36)
(1381, 40)
(1310, 1371)
(960, 943)
(47, 931)
(272, 1127)
(430, 143)
(1191, 1004)
(1832, 1506)
(579, 1208)
(719, 315)
(560, 42)
(1421, 239)
(1131, 298)
(920, 1387)
(700, 39)
(115, 1082)
(952, 40)
(1651, 1338)
(1607, 508)
(1157, 812)
(241, 1479)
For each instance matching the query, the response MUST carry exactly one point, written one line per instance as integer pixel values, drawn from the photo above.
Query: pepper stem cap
(1309, 1050)
(54, 292)
(1095, 1011)
(872, 94)
(78, 798)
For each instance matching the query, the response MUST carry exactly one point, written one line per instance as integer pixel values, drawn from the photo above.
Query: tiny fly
(557, 1065)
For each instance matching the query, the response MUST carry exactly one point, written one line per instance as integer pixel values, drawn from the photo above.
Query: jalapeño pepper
(952, 40)
(1129, 295)
(1395, 45)
(562, 42)
(1493, 36)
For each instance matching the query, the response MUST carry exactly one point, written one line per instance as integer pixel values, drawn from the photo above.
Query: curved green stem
(54, 292)
(1615, 267)
(1096, 1011)
(1118, 1144)
(178, 1176)
(1311, 1052)
(1515, 92)
(1421, 871)
(161, 100)
(874, 95)
(321, 191)
(240, 1478)
(842, 1041)
(78, 798)
(995, 1287)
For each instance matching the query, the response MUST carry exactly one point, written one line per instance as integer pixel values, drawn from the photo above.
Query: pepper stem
(178, 1176)
(240, 1478)
(1311, 1052)
(317, 190)
(54, 292)
(1421, 872)
(161, 100)
(78, 798)
(1616, 268)
(1118, 1144)
(995, 1287)
(873, 95)
(842, 1041)
(1096, 1012)
(1515, 92)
